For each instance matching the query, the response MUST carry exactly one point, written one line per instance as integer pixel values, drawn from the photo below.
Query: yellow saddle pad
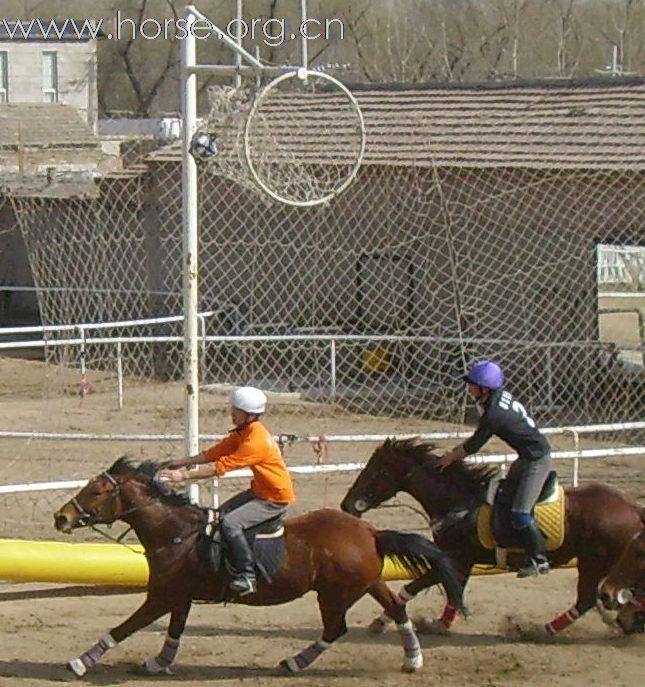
(549, 518)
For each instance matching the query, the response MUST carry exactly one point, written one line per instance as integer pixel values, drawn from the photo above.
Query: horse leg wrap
(80, 665)
(448, 616)
(306, 657)
(558, 624)
(402, 599)
(168, 652)
(162, 662)
(411, 647)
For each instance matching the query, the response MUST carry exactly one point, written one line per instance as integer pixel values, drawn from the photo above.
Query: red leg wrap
(558, 624)
(448, 616)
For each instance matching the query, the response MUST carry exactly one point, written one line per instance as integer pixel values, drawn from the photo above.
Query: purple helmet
(486, 373)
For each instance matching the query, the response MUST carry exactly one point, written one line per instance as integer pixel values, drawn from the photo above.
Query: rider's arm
(177, 470)
(482, 434)
(197, 459)
(249, 452)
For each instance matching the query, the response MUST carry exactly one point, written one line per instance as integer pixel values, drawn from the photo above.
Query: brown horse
(624, 587)
(326, 551)
(599, 521)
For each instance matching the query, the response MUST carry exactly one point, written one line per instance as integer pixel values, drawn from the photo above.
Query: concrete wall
(76, 74)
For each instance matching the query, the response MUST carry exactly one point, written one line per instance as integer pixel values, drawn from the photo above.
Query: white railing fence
(576, 454)
(612, 264)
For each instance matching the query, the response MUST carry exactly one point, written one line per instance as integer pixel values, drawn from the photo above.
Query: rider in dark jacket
(506, 418)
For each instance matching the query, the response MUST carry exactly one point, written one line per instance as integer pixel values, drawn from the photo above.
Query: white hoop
(303, 74)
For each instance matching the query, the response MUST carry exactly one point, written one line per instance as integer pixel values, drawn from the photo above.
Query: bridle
(384, 474)
(92, 519)
(89, 519)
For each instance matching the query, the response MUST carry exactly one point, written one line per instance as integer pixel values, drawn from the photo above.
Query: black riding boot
(533, 543)
(241, 557)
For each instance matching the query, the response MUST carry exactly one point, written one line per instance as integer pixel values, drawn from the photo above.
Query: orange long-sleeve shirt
(253, 447)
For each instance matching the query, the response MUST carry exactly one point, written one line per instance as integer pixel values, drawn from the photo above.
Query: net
(471, 230)
(300, 140)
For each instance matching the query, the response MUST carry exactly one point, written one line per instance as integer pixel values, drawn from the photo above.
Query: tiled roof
(593, 125)
(43, 125)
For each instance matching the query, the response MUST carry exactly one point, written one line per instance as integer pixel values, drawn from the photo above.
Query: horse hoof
(377, 627)
(431, 627)
(412, 664)
(630, 621)
(288, 666)
(152, 667)
(77, 667)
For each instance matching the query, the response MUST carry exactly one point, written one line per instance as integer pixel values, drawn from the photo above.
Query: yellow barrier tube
(112, 564)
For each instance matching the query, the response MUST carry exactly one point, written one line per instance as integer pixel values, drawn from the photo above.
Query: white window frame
(50, 91)
(4, 76)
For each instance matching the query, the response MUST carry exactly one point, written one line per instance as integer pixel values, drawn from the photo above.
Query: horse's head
(625, 582)
(386, 473)
(103, 500)
(410, 465)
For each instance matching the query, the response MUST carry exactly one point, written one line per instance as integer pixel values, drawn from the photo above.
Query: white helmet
(249, 399)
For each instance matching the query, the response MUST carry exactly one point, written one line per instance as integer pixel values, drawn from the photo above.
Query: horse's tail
(418, 556)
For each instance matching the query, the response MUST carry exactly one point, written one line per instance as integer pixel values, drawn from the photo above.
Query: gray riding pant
(245, 510)
(528, 478)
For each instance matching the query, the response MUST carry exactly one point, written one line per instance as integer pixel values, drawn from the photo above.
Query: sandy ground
(42, 626)
(233, 645)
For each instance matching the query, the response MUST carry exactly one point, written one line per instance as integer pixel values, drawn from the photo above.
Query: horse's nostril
(607, 601)
(60, 522)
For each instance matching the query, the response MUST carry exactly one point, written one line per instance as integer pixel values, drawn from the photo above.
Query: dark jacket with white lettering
(507, 419)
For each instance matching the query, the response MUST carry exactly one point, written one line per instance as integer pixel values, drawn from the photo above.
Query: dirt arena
(44, 625)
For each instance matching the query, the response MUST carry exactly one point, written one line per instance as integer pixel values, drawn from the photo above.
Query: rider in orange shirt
(249, 445)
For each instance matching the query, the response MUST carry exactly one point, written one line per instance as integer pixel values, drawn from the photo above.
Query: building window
(4, 77)
(50, 77)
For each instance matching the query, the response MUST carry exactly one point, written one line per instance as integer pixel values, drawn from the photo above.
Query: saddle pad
(549, 517)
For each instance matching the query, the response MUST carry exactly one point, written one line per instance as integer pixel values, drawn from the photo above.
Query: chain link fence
(376, 302)
(360, 315)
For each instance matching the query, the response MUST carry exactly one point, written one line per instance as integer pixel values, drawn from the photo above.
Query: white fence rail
(576, 454)
(611, 263)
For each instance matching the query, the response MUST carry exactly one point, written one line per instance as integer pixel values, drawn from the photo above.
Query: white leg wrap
(168, 651)
(404, 596)
(413, 659)
(306, 657)
(80, 665)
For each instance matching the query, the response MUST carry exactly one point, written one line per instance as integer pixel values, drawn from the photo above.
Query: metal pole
(333, 370)
(578, 453)
(190, 247)
(304, 48)
(119, 374)
(641, 331)
(238, 39)
(84, 384)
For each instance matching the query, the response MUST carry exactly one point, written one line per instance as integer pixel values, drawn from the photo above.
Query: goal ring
(302, 74)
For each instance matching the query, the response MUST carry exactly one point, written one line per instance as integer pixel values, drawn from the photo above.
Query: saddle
(266, 541)
(494, 527)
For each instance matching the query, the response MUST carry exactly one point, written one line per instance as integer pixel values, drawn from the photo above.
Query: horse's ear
(388, 442)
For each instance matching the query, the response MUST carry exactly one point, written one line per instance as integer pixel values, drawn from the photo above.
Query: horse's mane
(148, 469)
(467, 476)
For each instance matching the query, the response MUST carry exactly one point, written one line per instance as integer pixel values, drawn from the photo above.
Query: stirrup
(243, 585)
(534, 569)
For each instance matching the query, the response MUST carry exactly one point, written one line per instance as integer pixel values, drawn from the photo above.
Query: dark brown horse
(624, 587)
(326, 551)
(599, 521)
